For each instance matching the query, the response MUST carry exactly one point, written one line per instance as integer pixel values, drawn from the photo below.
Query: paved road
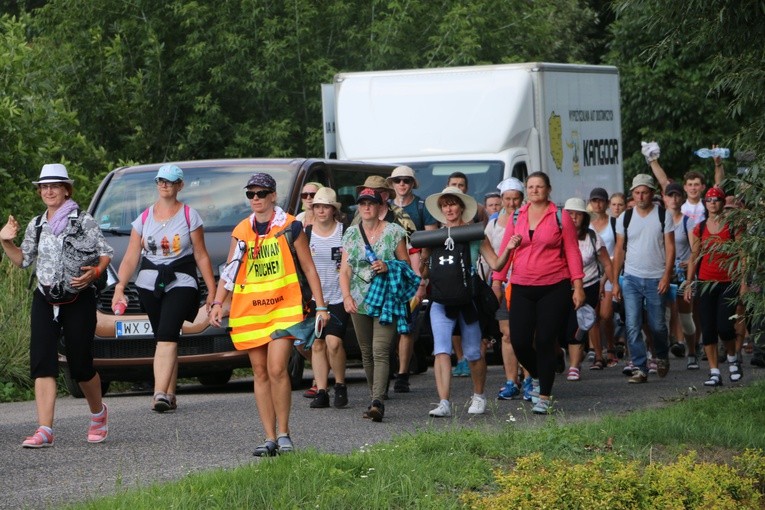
(219, 429)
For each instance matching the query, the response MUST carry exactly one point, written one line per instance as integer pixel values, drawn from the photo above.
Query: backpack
(450, 275)
(628, 218)
(305, 289)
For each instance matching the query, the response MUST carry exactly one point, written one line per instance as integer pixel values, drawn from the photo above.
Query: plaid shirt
(389, 294)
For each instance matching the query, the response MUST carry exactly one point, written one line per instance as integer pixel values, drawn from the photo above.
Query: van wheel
(73, 388)
(215, 378)
(295, 368)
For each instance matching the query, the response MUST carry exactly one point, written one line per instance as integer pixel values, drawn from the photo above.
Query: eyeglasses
(405, 180)
(54, 186)
(260, 194)
(712, 200)
(307, 194)
(163, 182)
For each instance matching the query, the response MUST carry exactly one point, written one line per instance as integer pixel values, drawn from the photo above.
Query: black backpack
(450, 275)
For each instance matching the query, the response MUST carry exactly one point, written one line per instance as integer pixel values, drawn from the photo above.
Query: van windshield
(483, 176)
(216, 192)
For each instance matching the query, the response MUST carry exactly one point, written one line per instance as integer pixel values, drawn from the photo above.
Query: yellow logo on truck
(555, 133)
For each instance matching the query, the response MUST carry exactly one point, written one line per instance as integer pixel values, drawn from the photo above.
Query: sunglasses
(260, 194)
(405, 180)
(308, 194)
(712, 200)
(163, 182)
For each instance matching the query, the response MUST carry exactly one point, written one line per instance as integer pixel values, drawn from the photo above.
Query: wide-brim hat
(53, 172)
(326, 196)
(375, 182)
(402, 171)
(471, 206)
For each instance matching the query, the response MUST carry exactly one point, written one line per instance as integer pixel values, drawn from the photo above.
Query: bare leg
(281, 388)
(92, 391)
(45, 400)
(405, 350)
(320, 364)
(442, 368)
(165, 365)
(336, 355)
(478, 375)
(262, 384)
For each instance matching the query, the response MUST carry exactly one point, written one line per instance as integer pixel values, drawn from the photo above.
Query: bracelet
(216, 303)
(98, 271)
(321, 308)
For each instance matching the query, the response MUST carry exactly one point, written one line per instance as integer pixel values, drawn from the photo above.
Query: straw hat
(431, 204)
(375, 182)
(326, 196)
(402, 171)
(55, 172)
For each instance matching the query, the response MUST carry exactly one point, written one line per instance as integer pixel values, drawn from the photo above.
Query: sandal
(99, 426)
(597, 364)
(40, 439)
(285, 444)
(612, 359)
(573, 374)
(267, 449)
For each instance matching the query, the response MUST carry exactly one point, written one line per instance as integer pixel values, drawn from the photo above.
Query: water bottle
(370, 255)
(119, 308)
(719, 152)
(679, 272)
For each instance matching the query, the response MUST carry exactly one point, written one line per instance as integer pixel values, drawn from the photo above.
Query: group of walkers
(559, 279)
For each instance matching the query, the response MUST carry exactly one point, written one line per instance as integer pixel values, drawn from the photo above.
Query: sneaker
(628, 369)
(321, 400)
(341, 396)
(735, 371)
(573, 374)
(534, 393)
(284, 444)
(508, 391)
(160, 403)
(662, 367)
(402, 383)
(376, 411)
(544, 406)
(477, 404)
(267, 449)
(653, 366)
(99, 426)
(42, 438)
(693, 363)
(461, 369)
(677, 349)
(590, 356)
(311, 392)
(638, 377)
(714, 380)
(444, 410)
(527, 387)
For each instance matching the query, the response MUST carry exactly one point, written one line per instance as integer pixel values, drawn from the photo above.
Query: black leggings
(538, 316)
(78, 321)
(717, 303)
(168, 312)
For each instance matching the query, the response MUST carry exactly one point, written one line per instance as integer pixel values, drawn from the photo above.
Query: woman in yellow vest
(267, 301)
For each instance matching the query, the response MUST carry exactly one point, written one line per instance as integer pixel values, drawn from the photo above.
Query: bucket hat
(326, 196)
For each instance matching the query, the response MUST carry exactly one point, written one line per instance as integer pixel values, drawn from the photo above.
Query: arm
(495, 261)
(692, 263)
(618, 264)
(659, 173)
(91, 273)
(127, 267)
(7, 235)
(501, 274)
(719, 169)
(345, 284)
(306, 263)
(221, 293)
(605, 261)
(669, 262)
(202, 259)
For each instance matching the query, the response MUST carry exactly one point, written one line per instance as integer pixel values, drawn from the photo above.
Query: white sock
(714, 371)
(731, 359)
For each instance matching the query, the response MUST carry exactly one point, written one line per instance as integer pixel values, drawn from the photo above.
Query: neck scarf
(58, 222)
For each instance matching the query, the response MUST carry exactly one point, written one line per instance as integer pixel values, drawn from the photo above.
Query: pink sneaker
(99, 427)
(41, 439)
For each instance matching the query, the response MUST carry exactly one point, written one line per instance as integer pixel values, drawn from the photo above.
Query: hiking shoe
(321, 400)
(311, 392)
(99, 426)
(477, 404)
(341, 396)
(160, 403)
(402, 383)
(508, 391)
(662, 367)
(461, 369)
(527, 387)
(628, 369)
(42, 438)
(638, 377)
(714, 380)
(544, 406)
(677, 349)
(653, 366)
(693, 363)
(560, 362)
(735, 371)
(376, 411)
(444, 410)
(284, 444)
(267, 449)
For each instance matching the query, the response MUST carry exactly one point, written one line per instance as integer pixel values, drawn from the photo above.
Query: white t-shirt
(645, 257)
(326, 253)
(693, 211)
(607, 236)
(590, 257)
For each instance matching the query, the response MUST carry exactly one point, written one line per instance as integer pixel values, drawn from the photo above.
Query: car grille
(134, 304)
(137, 348)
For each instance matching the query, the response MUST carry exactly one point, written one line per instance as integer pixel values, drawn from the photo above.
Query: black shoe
(376, 411)
(402, 383)
(677, 349)
(321, 400)
(341, 396)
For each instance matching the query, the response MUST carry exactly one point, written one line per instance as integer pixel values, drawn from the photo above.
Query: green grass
(432, 469)
(15, 304)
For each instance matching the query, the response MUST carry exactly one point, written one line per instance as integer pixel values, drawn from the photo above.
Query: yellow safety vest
(267, 292)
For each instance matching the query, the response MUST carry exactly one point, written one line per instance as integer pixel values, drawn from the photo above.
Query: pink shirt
(541, 261)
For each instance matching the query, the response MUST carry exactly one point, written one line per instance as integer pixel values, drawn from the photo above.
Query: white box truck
(489, 122)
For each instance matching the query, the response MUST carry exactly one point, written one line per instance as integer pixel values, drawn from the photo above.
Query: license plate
(133, 328)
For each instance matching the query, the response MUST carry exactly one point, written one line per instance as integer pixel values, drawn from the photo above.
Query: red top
(553, 254)
(712, 265)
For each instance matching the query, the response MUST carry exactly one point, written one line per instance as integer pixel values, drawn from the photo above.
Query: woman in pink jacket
(546, 265)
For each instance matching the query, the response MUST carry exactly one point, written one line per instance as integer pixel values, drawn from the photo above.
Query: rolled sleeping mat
(463, 234)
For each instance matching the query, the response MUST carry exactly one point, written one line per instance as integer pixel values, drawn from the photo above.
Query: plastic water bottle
(119, 308)
(719, 152)
(371, 257)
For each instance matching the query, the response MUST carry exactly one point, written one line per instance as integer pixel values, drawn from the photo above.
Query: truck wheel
(215, 378)
(295, 368)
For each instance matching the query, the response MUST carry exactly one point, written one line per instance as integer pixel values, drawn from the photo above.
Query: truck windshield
(483, 176)
(217, 193)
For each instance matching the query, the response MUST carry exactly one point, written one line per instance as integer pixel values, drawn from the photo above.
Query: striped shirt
(326, 253)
